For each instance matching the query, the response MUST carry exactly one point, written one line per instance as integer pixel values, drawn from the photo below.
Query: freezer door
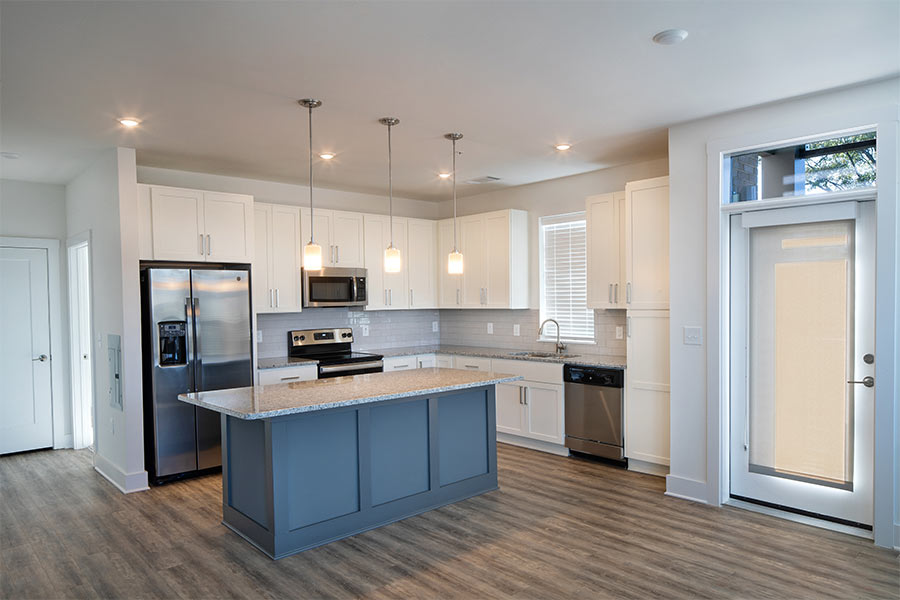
(173, 422)
(221, 300)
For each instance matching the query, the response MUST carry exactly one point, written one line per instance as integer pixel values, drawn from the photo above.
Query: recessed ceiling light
(669, 37)
(326, 155)
(562, 147)
(129, 122)
(10, 155)
(443, 175)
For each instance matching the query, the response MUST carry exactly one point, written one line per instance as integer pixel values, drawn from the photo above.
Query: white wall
(553, 197)
(287, 193)
(690, 253)
(38, 210)
(103, 200)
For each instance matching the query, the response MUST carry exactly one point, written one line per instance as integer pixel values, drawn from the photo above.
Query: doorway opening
(81, 352)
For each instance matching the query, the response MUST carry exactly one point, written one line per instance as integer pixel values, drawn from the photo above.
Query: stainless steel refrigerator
(196, 338)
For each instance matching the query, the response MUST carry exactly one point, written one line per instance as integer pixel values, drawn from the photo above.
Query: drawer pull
(290, 378)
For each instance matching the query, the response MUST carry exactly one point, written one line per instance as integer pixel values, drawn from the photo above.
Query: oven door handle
(351, 366)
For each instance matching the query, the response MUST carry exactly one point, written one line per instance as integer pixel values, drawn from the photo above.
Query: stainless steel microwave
(334, 286)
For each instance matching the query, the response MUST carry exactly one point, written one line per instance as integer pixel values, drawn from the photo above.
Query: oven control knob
(296, 338)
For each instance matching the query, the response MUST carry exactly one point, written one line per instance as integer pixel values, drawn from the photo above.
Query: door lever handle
(866, 381)
(42, 358)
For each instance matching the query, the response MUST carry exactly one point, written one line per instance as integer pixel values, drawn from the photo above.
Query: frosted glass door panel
(801, 294)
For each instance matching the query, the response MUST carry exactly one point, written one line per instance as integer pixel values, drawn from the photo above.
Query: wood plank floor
(557, 528)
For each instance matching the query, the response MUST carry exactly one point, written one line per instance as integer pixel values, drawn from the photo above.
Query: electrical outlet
(693, 336)
(365, 330)
(620, 332)
(112, 426)
(517, 330)
(435, 326)
(490, 328)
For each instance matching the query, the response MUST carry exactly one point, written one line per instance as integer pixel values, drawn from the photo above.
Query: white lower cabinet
(400, 363)
(532, 408)
(443, 361)
(472, 363)
(288, 374)
(647, 387)
(426, 361)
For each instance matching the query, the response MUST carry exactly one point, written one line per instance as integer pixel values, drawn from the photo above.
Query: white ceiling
(216, 83)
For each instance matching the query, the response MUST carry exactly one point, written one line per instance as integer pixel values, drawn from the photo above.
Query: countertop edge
(344, 403)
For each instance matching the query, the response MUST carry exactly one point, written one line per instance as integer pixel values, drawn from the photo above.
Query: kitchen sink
(542, 355)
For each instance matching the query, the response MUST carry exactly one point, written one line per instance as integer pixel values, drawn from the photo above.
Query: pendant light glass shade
(455, 263)
(392, 261)
(312, 257)
(455, 258)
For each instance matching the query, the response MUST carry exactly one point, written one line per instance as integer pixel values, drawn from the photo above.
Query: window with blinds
(564, 277)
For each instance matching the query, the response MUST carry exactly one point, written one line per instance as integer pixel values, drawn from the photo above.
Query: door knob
(866, 381)
(42, 358)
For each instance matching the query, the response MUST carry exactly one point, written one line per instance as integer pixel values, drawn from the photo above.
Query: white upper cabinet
(347, 237)
(422, 263)
(605, 215)
(449, 286)
(495, 261)
(193, 225)
(339, 233)
(647, 244)
(386, 290)
(276, 260)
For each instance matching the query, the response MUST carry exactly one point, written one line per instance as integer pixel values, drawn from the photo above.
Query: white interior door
(802, 332)
(26, 401)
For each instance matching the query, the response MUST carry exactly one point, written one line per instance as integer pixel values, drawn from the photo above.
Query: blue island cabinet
(293, 482)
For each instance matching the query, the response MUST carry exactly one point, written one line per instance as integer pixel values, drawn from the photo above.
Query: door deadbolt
(868, 358)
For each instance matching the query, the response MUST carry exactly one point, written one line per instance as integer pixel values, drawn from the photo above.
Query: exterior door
(802, 430)
(26, 402)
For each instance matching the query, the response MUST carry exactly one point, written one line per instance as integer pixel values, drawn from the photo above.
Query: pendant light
(392, 259)
(455, 258)
(312, 252)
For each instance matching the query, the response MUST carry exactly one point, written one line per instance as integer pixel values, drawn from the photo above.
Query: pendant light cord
(390, 186)
(311, 220)
(455, 249)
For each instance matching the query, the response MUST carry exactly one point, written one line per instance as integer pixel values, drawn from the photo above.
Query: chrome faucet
(559, 345)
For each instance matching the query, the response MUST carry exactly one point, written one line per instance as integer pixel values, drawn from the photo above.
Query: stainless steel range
(332, 348)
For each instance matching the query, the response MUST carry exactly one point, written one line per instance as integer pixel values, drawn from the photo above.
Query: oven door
(333, 287)
(346, 369)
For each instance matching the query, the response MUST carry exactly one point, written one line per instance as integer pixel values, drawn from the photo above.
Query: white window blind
(564, 277)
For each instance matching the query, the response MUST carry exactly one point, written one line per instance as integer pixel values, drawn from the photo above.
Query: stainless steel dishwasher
(595, 412)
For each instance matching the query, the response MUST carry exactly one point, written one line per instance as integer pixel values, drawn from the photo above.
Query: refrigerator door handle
(189, 322)
(198, 351)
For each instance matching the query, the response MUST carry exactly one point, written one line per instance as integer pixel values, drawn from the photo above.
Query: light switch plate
(620, 332)
(435, 326)
(693, 336)
(490, 328)
(517, 330)
(365, 330)
(259, 337)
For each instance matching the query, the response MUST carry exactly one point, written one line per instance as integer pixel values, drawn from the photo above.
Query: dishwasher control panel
(614, 378)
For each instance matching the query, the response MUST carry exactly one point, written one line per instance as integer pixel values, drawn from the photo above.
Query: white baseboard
(515, 440)
(66, 441)
(648, 468)
(125, 482)
(686, 489)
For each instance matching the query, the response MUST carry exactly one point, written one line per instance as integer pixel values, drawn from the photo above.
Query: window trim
(555, 220)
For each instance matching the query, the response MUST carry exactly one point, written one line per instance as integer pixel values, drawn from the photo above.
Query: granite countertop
(266, 401)
(584, 359)
(578, 358)
(279, 362)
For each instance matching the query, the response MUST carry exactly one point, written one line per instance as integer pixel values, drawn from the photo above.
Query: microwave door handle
(354, 293)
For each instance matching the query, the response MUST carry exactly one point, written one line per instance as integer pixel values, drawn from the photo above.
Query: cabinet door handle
(628, 293)
(290, 378)
(610, 293)
(337, 254)
(277, 297)
(616, 294)
(202, 245)
(471, 366)
(385, 297)
(525, 395)
(628, 326)
(520, 395)
(271, 299)
(208, 245)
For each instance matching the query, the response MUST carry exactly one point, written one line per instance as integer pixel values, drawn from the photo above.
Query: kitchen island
(311, 462)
